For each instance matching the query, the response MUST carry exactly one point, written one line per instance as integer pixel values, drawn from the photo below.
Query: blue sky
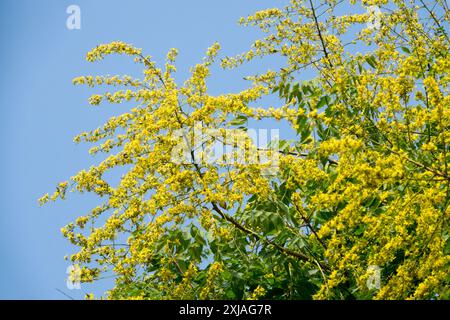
(40, 111)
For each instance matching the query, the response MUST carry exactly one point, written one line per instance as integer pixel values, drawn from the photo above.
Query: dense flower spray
(365, 184)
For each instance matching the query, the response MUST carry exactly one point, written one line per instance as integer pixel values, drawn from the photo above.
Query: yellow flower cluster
(114, 47)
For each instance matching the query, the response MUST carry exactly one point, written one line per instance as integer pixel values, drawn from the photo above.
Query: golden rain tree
(363, 189)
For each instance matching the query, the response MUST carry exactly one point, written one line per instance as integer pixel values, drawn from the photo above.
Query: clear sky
(40, 111)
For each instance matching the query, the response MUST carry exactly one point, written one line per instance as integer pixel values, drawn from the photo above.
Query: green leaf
(447, 246)
(371, 61)
(239, 120)
(302, 121)
(276, 88)
(295, 88)
(360, 68)
(306, 89)
(286, 90)
(405, 49)
(305, 136)
(283, 145)
(323, 101)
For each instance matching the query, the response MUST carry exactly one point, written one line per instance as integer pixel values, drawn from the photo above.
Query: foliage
(365, 184)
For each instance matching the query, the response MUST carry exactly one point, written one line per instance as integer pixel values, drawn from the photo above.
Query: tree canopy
(363, 190)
